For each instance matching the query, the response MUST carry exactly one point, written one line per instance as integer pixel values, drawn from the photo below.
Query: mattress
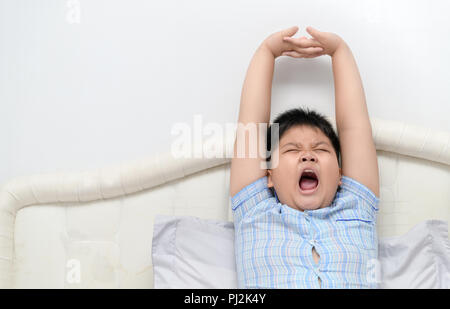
(93, 228)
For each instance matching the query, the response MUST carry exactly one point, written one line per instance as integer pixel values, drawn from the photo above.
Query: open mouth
(308, 181)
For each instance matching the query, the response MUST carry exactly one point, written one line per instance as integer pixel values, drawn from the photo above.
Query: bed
(57, 228)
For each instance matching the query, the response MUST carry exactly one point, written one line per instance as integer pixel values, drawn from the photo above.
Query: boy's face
(292, 160)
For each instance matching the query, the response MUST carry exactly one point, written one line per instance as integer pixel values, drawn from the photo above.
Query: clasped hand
(322, 43)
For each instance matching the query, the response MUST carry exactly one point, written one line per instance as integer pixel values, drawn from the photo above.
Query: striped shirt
(273, 242)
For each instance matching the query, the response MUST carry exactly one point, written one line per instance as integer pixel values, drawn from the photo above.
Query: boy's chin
(310, 205)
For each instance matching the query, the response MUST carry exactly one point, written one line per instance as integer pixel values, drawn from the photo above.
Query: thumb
(313, 32)
(289, 31)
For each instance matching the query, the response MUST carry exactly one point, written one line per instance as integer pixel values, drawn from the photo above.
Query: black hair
(299, 116)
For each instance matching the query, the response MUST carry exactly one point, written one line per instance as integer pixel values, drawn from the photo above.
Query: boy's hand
(330, 42)
(278, 46)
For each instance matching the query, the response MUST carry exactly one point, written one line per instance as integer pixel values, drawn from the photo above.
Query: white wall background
(107, 85)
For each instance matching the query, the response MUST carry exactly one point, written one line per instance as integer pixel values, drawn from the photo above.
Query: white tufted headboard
(94, 228)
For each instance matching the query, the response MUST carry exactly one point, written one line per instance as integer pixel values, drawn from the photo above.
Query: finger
(292, 54)
(289, 31)
(309, 51)
(314, 32)
(310, 56)
(296, 54)
(316, 43)
(303, 42)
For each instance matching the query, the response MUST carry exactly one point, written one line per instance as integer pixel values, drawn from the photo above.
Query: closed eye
(296, 150)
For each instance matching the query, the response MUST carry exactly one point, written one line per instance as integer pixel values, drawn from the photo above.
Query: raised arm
(358, 152)
(255, 107)
(359, 156)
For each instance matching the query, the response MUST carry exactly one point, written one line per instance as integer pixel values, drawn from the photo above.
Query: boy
(308, 222)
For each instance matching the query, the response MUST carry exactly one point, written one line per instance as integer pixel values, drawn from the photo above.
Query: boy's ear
(269, 179)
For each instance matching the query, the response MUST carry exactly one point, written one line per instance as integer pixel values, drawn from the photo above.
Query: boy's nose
(308, 157)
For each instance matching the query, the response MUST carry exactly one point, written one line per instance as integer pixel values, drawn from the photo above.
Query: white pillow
(193, 253)
(190, 252)
(419, 259)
